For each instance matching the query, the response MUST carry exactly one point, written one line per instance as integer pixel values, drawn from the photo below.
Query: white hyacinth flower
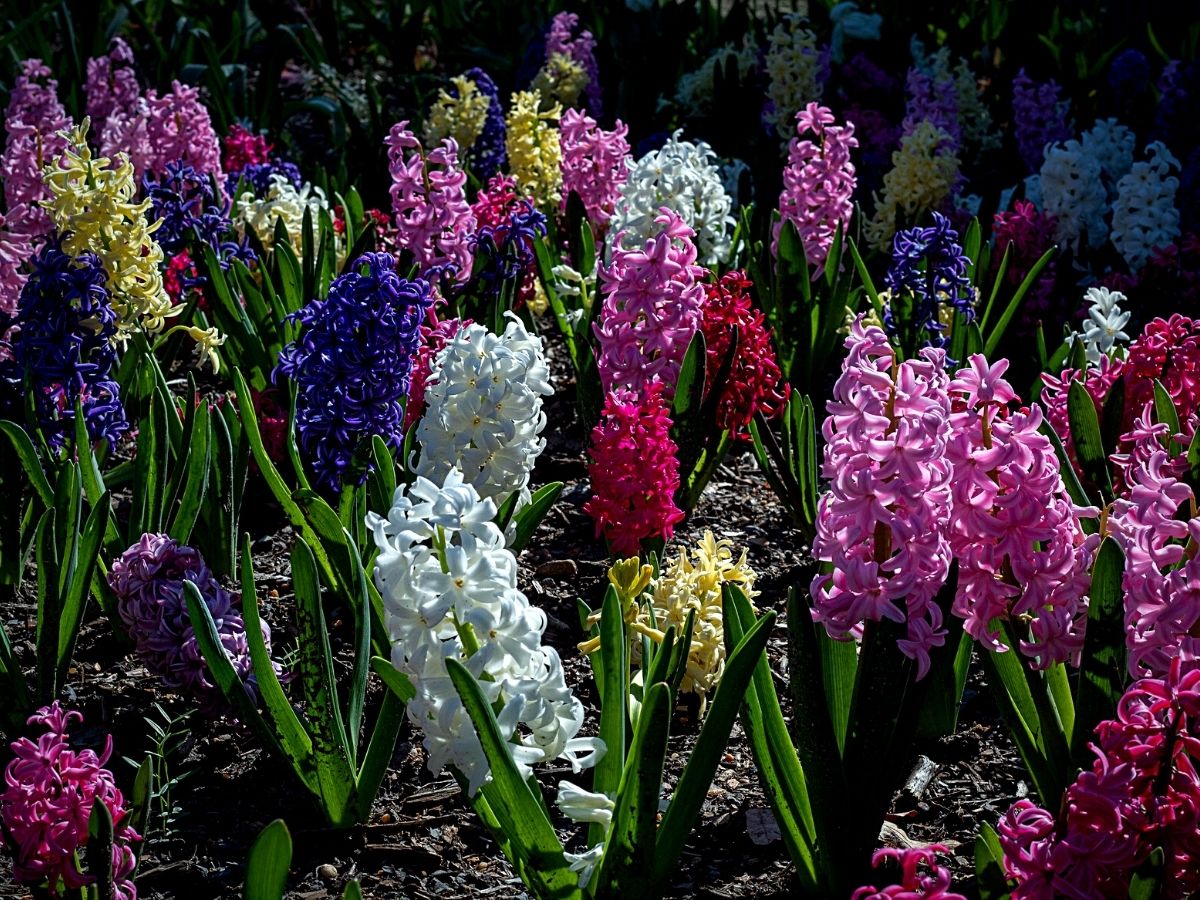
(1144, 214)
(449, 589)
(582, 805)
(1105, 324)
(282, 203)
(1072, 192)
(484, 410)
(584, 864)
(1111, 144)
(685, 177)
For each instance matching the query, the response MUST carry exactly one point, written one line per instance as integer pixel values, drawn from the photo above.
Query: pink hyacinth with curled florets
(1157, 525)
(595, 163)
(157, 130)
(433, 219)
(245, 148)
(1022, 554)
(634, 471)
(883, 522)
(921, 878)
(49, 792)
(652, 307)
(818, 183)
(33, 125)
(1141, 793)
(581, 49)
(15, 248)
(111, 84)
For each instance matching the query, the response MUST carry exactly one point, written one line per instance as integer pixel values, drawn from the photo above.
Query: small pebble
(557, 568)
(327, 872)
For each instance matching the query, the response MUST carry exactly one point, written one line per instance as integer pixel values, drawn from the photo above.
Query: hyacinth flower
(186, 203)
(932, 98)
(16, 248)
(1070, 188)
(684, 177)
(353, 364)
(505, 255)
(797, 71)
(242, 147)
(49, 791)
(818, 183)
(435, 333)
(156, 130)
(1144, 216)
(449, 588)
(1104, 327)
(484, 413)
(755, 383)
(1141, 793)
(560, 81)
(924, 173)
(147, 580)
(33, 124)
(459, 113)
(1021, 551)
(580, 49)
(634, 471)
(595, 164)
(1040, 117)
(247, 159)
(534, 152)
(652, 307)
(433, 219)
(489, 153)
(65, 342)
(112, 84)
(1025, 234)
(921, 877)
(281, 201)
(927, 279)
(882, 524)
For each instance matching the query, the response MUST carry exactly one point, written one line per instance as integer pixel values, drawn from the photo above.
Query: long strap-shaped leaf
(519, 813)
(612, 676)
(268, 863)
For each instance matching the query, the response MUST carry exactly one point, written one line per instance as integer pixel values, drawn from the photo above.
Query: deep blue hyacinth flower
(65, 346)
(258, 176)
(488, 155)
(188, 205)
(505, 252)
(928, 266)
(353, 363)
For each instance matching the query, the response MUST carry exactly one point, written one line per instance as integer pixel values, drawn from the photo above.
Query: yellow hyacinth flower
(92, 206)
(560, 80)
(920, 180)
(534, 155)
(462, 118)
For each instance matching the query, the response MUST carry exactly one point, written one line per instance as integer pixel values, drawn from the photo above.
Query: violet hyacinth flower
(353, 363)
(186, 202)
(506, 250)
(148, 581)
(49, 792)
(489, 154)
(64, 343)
(1039, 118)
(928, 272)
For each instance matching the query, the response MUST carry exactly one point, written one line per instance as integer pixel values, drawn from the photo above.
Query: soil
(422, 839)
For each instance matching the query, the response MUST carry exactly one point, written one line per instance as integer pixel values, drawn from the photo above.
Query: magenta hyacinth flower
(148, 581)
(818, 183)
(49, 792)
(882, 524)
(921, 878)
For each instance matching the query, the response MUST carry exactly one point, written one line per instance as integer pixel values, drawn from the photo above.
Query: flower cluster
(33, 126)
(534, 154)
(282, 202)
(1025, 234)
(484, 410)
(459, 113)
(755, 383)
(1021, 551)
(595, 165)
(157, 130)
(433, 220)
(506, 253)
(16, 248)
(248, 159)
(580, 49)
(933, 98)
(928, 269)
(1104, 326)
(65, 342)
(560, 80)
(489, 153)
(914, 884)
(1040, 117)
(112, 84)
(1144, 216)
(923, 175)
(244, 148)
(1111, 144)
(186, 204)
(1141, 793)
(652, 308)
(1070, 189)
(818, 183)
(691, 582)
(147, 580)
(881, 524)
(353, 363)
(50, 789)
(1153, 521)
(92, 207)
(449, 587)
(796, 72)
(634, 471)
(684, 177)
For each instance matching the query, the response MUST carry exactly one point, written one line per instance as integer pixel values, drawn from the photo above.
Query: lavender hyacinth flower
(506, 250)
(148, 582)
(64, 346)
(1039, 118)
(488, 154)
(353, 364)
(929, 269)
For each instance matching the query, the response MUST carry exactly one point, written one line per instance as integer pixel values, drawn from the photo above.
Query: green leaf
(839, 669)
(532, 513)
(79, 585)
(689, 389)
(395, 681)
(989, 865)
(1085, 432)
(378, 757)
(29, 461)
(533, 839)
(353, 891)
(268, 863)
(49, 609)
(1102, 671)
(100, 850)
(1164, 411)
(697, 776)
(997, 333)
(611, 681)
(195, 482)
